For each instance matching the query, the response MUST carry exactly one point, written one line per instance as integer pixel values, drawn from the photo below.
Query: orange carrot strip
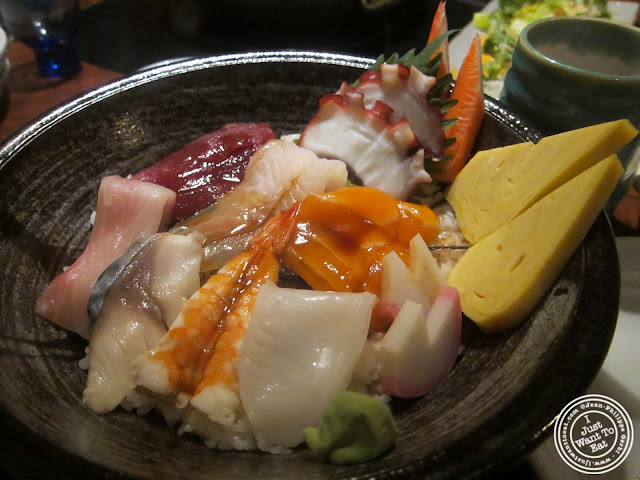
(469, 111)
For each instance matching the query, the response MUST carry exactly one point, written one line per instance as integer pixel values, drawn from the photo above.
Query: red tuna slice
(208, 167)
(127, 210)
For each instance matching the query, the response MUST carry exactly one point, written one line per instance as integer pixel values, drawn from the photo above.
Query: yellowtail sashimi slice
(299, 350)
(127, 210)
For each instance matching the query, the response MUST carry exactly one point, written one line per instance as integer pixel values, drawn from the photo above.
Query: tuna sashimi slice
(208, 167)
(127, 209)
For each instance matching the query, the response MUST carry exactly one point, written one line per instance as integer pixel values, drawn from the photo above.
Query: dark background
(125, 35)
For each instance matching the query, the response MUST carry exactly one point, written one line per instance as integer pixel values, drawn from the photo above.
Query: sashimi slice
(438, 27)
(469, 111)
(127, 210)
(299, 350)
(208, 167)
(141, 293)
(120, 335)
(279, 175)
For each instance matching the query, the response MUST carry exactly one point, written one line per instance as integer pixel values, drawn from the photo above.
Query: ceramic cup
(568, 73)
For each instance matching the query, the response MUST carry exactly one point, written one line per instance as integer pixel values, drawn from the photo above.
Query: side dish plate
(497, 404)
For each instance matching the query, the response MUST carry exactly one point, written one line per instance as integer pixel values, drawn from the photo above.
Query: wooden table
(31, 95)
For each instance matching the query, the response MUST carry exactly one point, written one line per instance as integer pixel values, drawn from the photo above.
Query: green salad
(504, 24)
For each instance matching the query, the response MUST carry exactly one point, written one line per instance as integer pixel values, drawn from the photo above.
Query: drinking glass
(49, 27)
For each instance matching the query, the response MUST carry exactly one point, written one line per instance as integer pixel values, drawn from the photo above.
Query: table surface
(117, 37)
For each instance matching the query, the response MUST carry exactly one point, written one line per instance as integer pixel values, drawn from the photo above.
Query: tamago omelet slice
(499, 184)
(503, 277)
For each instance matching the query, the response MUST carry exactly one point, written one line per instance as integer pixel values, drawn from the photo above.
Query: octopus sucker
(380, 151)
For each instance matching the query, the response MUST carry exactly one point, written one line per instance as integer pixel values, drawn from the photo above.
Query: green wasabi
(355, 428)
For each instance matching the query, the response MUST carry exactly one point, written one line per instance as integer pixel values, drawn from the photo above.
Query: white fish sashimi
(176, 276)
(138, 300)
(119, 336)
(279, 174)
(299, 350)
(127, 210)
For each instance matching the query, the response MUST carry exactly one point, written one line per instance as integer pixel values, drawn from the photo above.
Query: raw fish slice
(208, 167)
(218, 252)
(177, 276)
(127, 210)
(279, 175)
(119, 336)
(299, 350)
(134, 310)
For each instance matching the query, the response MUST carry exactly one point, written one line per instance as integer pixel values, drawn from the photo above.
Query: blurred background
(125, 35)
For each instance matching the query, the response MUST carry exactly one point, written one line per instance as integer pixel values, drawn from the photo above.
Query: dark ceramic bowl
(497, 404)
(571, 72)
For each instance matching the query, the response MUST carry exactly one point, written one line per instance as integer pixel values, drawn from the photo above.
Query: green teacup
(569, 72)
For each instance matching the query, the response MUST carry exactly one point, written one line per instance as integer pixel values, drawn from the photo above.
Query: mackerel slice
(502, 278)
(497, 185)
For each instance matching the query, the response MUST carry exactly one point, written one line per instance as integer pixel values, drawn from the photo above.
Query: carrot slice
(438, 27)
(469, 111)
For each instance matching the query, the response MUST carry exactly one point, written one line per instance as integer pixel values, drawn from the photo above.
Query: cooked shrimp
(197, 358)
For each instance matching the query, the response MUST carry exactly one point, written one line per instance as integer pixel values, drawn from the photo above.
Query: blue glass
(49, 27)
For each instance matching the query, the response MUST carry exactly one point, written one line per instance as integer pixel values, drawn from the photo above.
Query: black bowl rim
(590, 361)
(45, 121)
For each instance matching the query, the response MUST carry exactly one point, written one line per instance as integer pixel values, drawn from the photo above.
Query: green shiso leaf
(426, 60)
(448, 123)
